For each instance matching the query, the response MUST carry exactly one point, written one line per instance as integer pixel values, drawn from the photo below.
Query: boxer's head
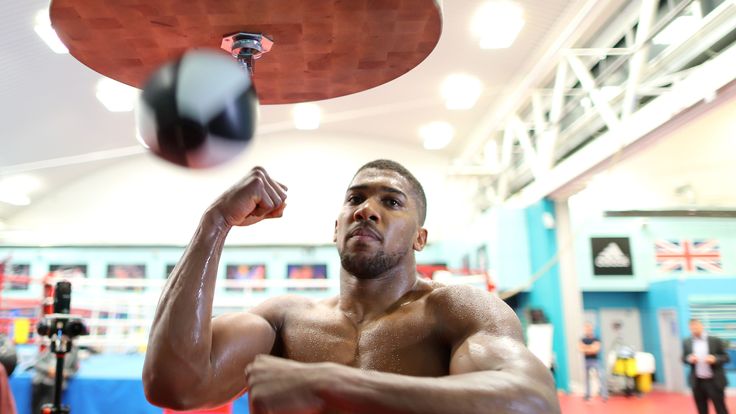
(381, 220)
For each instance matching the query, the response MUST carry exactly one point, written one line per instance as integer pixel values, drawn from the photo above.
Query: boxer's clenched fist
(254, 198)
(282, 386)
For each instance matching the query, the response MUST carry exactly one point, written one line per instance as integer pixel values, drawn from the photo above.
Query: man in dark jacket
(706, 355)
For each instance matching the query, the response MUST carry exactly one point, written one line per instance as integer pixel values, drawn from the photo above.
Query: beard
(369, 267)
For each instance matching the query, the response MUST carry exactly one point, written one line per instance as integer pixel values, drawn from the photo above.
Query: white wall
(142, 200)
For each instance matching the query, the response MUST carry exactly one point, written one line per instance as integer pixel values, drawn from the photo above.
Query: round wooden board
(322, 48)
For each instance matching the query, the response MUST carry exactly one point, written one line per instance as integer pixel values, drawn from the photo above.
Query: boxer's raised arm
(193, 360)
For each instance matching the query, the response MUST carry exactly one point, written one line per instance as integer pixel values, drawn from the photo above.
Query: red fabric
(225, 409)
(7, 402)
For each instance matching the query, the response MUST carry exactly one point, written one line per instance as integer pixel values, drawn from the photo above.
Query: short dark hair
(394, 166)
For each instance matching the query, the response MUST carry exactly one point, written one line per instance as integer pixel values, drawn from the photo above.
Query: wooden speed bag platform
(321, 48)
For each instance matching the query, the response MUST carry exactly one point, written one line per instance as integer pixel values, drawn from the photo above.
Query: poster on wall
(124, 272)
(611, 256)
(17, 276)
(68, 271)
(688, 256)
(240, 272)
(306, 271)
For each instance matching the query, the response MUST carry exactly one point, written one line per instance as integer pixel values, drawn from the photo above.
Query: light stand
(61, 328)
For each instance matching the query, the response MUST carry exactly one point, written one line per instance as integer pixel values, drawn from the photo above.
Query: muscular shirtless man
(389, 343)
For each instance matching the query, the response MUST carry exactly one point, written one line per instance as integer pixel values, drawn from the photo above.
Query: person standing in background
(590, 346)
(706, 355)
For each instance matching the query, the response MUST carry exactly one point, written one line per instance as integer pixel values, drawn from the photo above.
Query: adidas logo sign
(612, 256)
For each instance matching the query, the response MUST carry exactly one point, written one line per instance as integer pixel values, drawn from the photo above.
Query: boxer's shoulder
(464, 308)
(459, 298)
(279, 308)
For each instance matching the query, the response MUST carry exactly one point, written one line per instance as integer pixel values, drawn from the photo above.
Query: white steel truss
(602, 99)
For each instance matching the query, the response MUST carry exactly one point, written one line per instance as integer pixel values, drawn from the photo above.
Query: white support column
(558, 93)
(502, 187)
(548, 140)
(507, 146)
(492, 155)
(637, 62)
(530, 153)
(572, 298)
(600, 103)
(540, 123)
(545, 135)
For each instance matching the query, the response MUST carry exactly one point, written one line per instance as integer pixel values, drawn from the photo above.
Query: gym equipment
(198, 111)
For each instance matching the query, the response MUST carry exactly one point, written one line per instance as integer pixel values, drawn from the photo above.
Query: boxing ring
(105, 383)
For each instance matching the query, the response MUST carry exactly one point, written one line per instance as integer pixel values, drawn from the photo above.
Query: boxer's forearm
(357, 391)
(181, 334)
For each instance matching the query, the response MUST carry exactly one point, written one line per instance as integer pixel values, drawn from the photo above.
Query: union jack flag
(689, 256)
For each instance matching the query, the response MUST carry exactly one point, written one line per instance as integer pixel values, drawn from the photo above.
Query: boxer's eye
(392, 202)
(355, 199)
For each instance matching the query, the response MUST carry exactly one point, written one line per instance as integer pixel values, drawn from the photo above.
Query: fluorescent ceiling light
(307, 116)
(116, 96)
(498, 23)
(677, 31)
(16, 190)
(461, 91)
(47, 33)
(436, 135)
(19, 200)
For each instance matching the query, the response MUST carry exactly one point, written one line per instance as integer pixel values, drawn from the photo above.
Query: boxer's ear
(420, 240)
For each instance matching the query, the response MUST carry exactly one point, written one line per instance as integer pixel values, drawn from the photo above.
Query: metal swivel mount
(247, 47)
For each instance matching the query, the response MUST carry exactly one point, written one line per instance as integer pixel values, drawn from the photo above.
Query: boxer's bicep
(504, 373)
(236, 340)
(492, 342)
(485, 351)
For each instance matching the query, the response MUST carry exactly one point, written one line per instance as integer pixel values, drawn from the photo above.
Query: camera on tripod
(61, 323)
(61, 328)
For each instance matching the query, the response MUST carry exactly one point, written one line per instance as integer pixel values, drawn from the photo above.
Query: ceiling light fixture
(47, 33)
(16, 190)
(461, 91)
(116, 96)
(307, 116)
(498, 23)
(436, 135)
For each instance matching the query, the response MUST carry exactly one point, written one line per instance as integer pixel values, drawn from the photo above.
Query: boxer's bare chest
(406, 341)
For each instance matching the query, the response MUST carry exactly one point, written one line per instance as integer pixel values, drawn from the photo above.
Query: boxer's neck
(363, 300)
